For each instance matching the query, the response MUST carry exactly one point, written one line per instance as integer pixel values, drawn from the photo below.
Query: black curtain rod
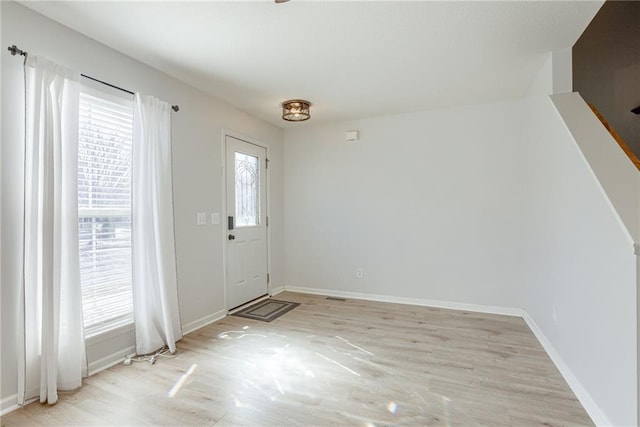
(106, 84)
(173, 107)
(16, 51)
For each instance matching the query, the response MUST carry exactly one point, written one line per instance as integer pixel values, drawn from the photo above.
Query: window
(104, 210)
(247, 191)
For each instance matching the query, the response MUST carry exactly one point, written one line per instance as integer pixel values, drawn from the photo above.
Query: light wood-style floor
(333, 363)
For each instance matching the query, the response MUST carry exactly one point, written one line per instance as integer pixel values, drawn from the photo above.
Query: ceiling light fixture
(296, 110)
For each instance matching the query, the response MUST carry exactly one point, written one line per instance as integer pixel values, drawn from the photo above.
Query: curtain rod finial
(15, 51)
(175, 108)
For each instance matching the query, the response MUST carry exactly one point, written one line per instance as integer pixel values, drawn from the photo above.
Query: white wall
(579, 260)
(197, 136)
(562, 72)
(617, 175)
(428, 204)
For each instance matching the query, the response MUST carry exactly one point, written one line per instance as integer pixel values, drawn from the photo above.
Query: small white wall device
(352, 135)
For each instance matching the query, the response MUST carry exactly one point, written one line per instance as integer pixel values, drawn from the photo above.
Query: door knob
(232, 237)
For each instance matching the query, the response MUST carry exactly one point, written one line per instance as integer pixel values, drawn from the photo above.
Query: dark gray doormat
(267, 310)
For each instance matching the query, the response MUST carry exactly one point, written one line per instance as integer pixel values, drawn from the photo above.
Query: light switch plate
(215, 218)
(201, 218)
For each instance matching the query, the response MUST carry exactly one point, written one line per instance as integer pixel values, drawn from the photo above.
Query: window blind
(104, 211)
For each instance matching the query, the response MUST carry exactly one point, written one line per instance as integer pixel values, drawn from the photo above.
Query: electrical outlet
(359, 273)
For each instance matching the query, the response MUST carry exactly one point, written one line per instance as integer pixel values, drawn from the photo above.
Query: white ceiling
(350, 59)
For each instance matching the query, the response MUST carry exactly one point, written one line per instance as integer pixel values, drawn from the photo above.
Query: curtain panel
(52, 354)
(155, 289)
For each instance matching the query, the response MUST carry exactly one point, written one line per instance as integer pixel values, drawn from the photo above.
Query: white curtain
(52, 355)
(155, 289)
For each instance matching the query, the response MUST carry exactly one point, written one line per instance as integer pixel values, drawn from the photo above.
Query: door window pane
(247, 190)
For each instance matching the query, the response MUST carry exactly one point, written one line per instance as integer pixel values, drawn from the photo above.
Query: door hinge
(267, 221)
(267, 278)
(266, 163)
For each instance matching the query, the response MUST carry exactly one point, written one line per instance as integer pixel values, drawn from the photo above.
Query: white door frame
(223, 220)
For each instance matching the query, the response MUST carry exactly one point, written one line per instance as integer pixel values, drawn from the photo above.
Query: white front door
(246, 221)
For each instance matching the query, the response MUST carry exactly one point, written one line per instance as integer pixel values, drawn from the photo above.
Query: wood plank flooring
(331, 362)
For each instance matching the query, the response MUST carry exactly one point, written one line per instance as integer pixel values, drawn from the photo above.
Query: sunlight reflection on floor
(178, 385)
(273, 365)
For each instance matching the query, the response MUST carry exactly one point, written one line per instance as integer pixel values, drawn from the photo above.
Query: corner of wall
(562, 71)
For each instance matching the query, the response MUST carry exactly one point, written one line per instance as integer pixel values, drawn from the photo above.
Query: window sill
(104, 336)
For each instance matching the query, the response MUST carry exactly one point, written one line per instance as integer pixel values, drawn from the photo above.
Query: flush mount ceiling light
(296, 110)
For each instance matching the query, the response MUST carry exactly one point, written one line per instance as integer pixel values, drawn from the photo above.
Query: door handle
(232, 237)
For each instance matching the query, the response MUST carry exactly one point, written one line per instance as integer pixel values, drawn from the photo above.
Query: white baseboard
(592, 408)
(203, 321)
(506, 311)
(117, 357)
(110, 360)
(277, 290)
(8, 404)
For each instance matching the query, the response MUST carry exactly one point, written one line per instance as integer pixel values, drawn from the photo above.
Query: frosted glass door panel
(247, 183)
